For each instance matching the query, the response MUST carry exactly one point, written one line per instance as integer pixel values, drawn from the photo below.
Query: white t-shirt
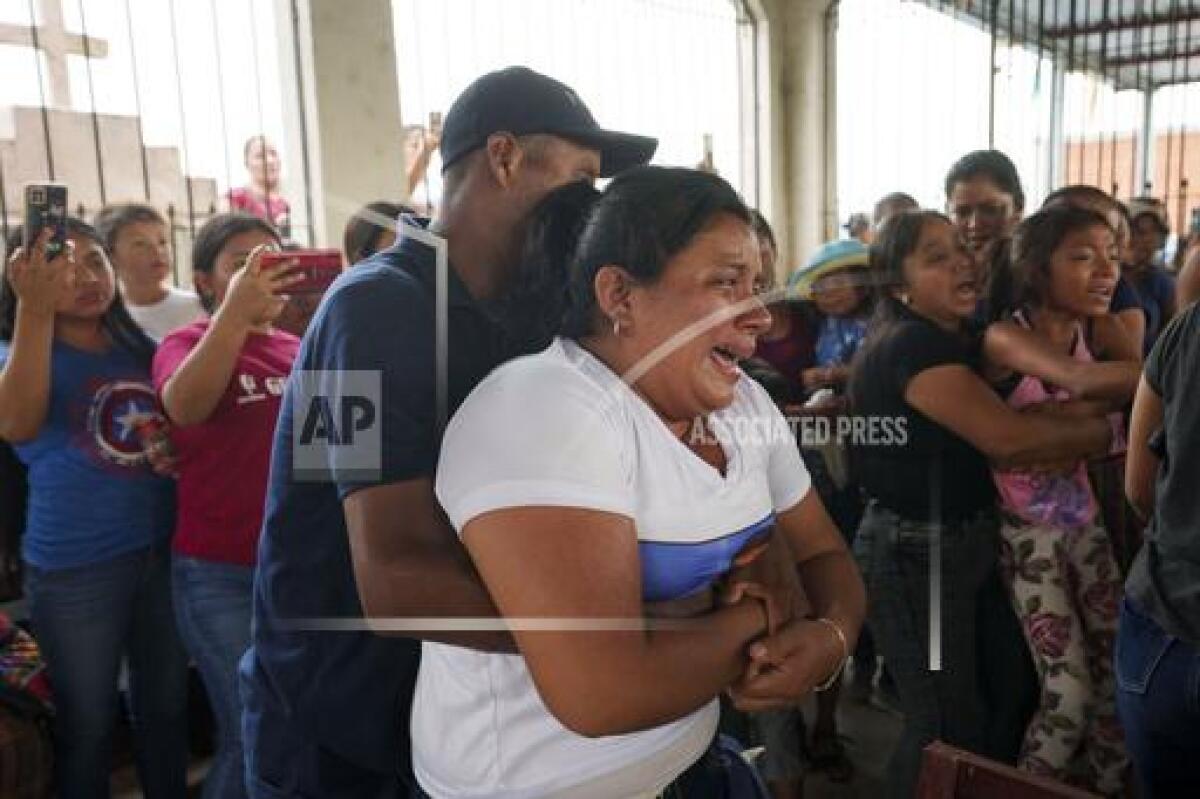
(177, 309)
(560, 428)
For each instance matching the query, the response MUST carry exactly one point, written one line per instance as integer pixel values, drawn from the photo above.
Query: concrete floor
(869, 734)
(868, 731)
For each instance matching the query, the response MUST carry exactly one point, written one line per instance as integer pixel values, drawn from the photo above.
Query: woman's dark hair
(1034, 243)
(892, 203)
(1125, 212)
(643, 218)
(124, 332)
(762, 228)
(212, 238)
(250, 142)
(1079, 191)
(112, 219)
(360, 239)
(895, 241)
(993, 165)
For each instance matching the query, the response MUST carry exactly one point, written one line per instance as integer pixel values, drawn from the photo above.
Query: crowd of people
(658, 495)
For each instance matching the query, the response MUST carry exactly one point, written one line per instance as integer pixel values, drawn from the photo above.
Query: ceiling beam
(1151, 58)
(1123, 24)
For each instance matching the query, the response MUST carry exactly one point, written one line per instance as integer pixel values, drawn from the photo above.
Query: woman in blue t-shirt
(75, 388)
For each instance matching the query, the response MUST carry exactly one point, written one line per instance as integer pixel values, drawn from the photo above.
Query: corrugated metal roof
(1132, 44)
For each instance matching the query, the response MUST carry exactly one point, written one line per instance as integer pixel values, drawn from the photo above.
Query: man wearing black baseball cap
(522, 102)
(326, 713)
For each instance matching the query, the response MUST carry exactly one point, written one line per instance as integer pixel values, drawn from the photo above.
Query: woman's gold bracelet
(837, 631)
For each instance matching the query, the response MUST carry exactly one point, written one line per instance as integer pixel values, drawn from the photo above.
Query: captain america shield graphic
(116, 410)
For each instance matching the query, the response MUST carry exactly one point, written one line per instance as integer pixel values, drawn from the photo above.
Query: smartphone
(318, 267)
(46, 207)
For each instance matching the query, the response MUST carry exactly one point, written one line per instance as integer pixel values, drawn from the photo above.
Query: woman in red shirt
(221, 382)
(262, 197)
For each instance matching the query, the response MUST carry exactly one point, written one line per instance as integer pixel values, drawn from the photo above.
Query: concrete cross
(54, 40)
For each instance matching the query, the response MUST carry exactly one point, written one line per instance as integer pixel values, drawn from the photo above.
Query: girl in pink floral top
(1059, 560)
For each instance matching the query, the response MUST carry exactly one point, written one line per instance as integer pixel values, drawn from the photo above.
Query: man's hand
(786, 667)
(766, 570)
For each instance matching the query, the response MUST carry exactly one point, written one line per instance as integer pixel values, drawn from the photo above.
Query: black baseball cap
(521, 102)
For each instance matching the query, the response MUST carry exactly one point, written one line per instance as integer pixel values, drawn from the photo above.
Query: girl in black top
(927, 425)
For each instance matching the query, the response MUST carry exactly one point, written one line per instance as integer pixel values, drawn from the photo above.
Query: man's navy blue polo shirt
(349, 692)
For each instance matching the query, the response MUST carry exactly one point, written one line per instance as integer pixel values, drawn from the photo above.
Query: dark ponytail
(532, 310)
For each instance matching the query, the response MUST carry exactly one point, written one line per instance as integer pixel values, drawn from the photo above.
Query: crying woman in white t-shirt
(629, 463)
(137, 240)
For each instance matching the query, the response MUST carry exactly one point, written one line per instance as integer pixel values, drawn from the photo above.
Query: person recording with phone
(319, 268)
(221, 382)
(75, 390)
(420, 143)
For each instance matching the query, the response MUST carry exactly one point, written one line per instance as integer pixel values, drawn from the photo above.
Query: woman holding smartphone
(74, 389)
(221, 382)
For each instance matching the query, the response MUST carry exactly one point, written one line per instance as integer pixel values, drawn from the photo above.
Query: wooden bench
(949, 773)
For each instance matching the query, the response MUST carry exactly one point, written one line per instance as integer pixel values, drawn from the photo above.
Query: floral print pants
(1065, 586)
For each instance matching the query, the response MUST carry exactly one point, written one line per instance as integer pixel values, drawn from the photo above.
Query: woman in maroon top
(262, 196)
(221, 381)
(789, 345)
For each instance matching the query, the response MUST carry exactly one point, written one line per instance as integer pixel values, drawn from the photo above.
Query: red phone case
(319, 268)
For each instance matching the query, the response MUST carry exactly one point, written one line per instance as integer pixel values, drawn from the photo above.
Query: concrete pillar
(1055, 167)
(1146, 149)
(348, 109)
(799, 170)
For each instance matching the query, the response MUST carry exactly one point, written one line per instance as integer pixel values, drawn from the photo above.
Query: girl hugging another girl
(1058, 559)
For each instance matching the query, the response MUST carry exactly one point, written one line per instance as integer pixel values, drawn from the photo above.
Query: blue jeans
(1158, 702)
(86, 620)
(212, 606)
(894, 556)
